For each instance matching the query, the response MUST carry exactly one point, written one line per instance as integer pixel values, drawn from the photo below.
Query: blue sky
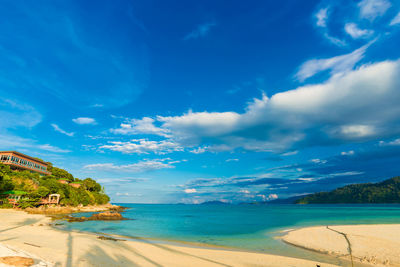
(183, 101)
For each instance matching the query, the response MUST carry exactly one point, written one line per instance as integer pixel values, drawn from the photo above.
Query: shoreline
(32, 233)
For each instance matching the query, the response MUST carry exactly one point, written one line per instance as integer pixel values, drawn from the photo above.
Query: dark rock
(107, 216)
(109, 238)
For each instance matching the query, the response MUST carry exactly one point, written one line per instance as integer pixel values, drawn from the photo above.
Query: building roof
(26, 156)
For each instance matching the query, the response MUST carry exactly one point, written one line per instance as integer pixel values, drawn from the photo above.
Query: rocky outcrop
(51, 210)
(107, 216)
(102, 216)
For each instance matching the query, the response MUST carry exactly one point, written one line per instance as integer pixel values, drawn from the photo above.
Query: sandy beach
(377, 245)
(30, 234)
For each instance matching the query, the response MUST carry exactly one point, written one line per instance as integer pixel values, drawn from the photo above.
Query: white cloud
(122, 194)
(322, 16)
(201, 31)
(318, 161)
(143, 146)
(395, 20)
(58, 129)
(347, 153)
(272, 196)
(142, 126)
(84, 120)
(198, 150)
(141, 166)
(353, 105)
(395, 142)
(334, 40)
(267, 198)
(370, 9)
(290, 153)
(356, 131)
(355, 32)
(190, 190)
(350, 173)
(338, 64)
(205, 123)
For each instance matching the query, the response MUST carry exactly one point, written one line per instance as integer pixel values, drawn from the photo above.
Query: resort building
(75, 184)
(21, 161)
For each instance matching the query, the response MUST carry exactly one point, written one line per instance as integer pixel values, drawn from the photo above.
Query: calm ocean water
(249, 227)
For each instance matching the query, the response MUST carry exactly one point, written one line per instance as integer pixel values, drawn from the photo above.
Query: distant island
(27, 182)
(387, 191)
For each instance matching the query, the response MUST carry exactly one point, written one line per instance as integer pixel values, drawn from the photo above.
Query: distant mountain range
(387, 191)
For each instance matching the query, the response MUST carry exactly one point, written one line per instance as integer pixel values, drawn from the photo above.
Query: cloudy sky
(187, 101)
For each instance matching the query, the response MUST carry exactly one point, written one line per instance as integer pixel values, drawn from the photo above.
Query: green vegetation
(387, 191)
(36, 187)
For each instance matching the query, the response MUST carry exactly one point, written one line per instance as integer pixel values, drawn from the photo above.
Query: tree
(91, 185)
(6, 183)
(62, 174)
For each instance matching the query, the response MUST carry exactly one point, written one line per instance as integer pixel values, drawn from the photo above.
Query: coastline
(374, 245)
(32, 234)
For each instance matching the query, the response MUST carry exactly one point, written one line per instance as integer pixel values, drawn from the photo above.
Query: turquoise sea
(245, 227)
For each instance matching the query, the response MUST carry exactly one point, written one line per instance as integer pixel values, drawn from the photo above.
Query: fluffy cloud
(364, 101)
(84, 120)
(142, 126)
(143, 146)
(141, 166)
(355, 32)
(58, 129)
(336, 64)
(370, 9)
(190, 190)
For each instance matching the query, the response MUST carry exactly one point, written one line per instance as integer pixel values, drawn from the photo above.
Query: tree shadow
(95, 253)
(7, 239)
(68, 262)
(175, 251)
(21, 224)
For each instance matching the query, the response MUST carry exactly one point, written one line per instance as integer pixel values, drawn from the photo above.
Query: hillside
(387, 191)
(33, 188)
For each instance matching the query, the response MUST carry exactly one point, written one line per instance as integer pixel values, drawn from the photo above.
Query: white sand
(32, 234)
(377, 245)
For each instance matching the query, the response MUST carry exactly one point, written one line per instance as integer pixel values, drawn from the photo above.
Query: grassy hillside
(37, 187)
(387, 191)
